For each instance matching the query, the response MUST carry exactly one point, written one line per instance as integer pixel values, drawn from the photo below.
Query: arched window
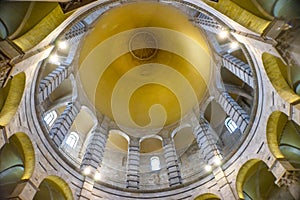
(50, 117)
(72, 139)
(155, 163)
(230, 125)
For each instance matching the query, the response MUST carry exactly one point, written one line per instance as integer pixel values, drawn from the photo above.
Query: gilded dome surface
(142, 68)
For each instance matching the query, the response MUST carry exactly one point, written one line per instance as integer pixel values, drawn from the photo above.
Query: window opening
(50, 117)
(230, 125)
(155, 163)
(72, 139)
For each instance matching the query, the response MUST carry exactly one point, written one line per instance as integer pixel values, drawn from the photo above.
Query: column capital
(167, 140)
(134, 142)
(279, 168)
(165, 134)
(105, 122)
(289, 178)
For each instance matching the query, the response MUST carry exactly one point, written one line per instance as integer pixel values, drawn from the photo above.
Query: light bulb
(53, 59)
(87, 171)
(223, 34)
(62, 45)
(207, 168)
(234, 45)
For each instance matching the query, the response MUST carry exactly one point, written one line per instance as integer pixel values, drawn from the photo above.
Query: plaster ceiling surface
(144, 65)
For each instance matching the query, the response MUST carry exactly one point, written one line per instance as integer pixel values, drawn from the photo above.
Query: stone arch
(28, 16)
(152, 161)
(240, 15)
(151, 144)
(18, 162)
(117, 135)
(10, 98)
(37, 33)
(214, 113)
(277, 73)
(84, 124)
(188, 154)
(88, 133)
(250, 184)
(281, 8)
(242, 176)
(207, 196)
(183, 137)
(282, 137)
(176, 130)
(255, 8)
(54, 185)
(275, 126)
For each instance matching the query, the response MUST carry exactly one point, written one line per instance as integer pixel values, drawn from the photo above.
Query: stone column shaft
(239, 68)
(95, 149)
(172, 163)
(207, 143)
(63, 124)
(77, 29)
(133, 164)
(52, 81)
(208, 23)
(226, 189)
(236, 112)
(86, 192)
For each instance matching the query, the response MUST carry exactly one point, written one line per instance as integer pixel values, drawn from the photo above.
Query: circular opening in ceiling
(143, 45)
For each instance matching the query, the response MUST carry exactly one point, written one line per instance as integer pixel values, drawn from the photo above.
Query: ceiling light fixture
(208, 168)
(223, 34)
(53, 59)
(87, 171)
(234, 45)
(62, 45)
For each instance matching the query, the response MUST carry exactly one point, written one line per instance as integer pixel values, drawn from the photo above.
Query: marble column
(133, 164)
(52, 81)
(171, 158)
(239, 68)
(208, 23)
(76, 30)
(207, 142)
(234, 111)
(63, 124)
(95, 150)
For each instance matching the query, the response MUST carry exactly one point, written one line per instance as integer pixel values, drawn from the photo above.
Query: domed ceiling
(144, 65)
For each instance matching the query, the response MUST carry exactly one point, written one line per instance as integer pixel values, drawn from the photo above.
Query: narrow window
(155, 163)
(230, 125)
(50, 117)
(72, 139)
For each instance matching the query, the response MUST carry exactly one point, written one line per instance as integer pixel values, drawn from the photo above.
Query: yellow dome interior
(138, 65)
